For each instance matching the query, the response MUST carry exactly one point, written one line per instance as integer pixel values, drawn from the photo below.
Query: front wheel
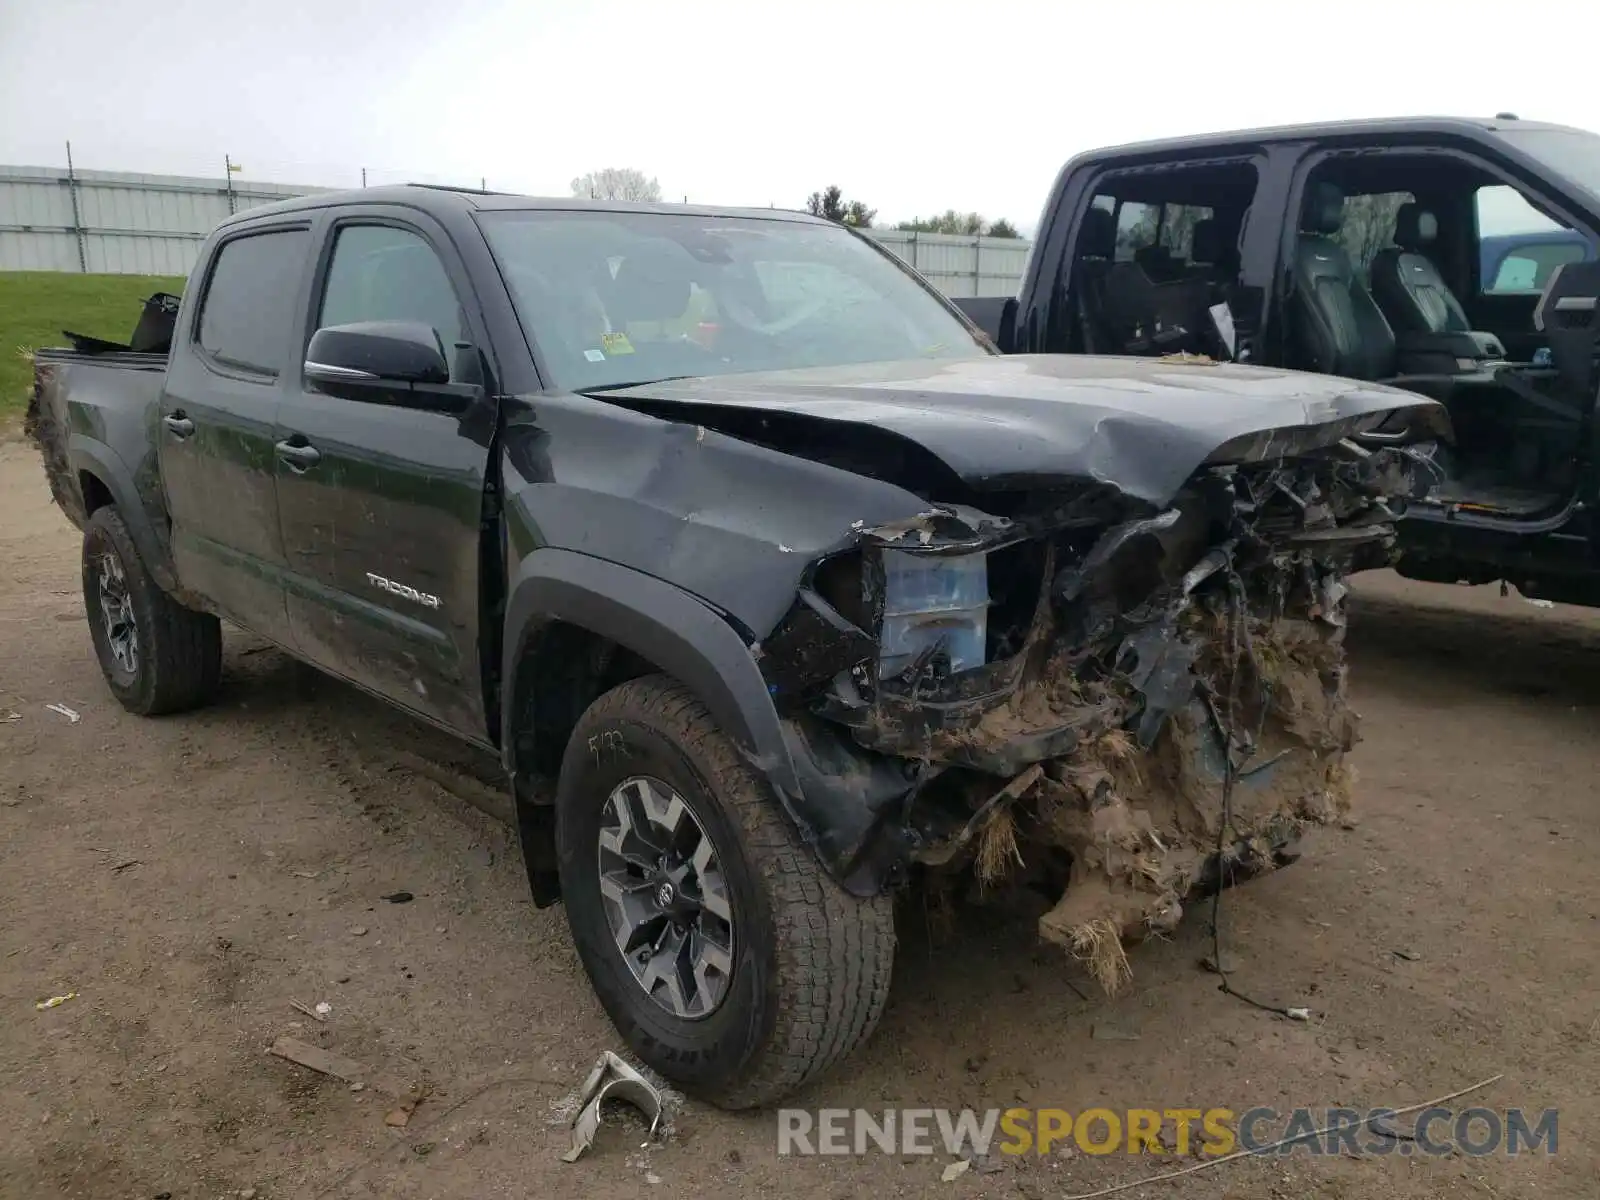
(726, 957)
(157, 656)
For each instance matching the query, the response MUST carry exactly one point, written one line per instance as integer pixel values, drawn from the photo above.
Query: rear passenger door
(1154, 253)
(215, 432)
(383, 505)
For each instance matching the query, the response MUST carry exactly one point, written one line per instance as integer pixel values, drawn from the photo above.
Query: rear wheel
(726, 957)
(157, 656)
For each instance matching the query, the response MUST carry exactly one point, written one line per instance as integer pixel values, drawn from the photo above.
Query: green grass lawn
(35, 306)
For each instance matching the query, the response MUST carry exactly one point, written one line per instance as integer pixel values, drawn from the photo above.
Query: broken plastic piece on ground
(1299, 1014)
(1539, 603)
(66, 712)
(954, 1171)
(611, 1078)
(55, 1001)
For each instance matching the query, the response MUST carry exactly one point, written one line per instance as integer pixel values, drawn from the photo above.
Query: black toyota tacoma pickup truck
(770, 582)
(1362, 249)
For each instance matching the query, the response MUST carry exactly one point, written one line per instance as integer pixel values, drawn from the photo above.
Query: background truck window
(1137, 226)
(1368, 227)
(1170, 226)
(1177, 227)
(1520, 246)
(1142, 224)
(1528, 267)
(250, 299)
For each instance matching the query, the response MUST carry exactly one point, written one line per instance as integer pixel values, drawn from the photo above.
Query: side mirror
(371, 354)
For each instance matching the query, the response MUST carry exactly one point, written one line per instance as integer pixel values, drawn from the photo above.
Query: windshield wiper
(622, 387)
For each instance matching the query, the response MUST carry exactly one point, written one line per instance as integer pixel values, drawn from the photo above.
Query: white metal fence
(127, 224)
(961, 265)
(116, 222)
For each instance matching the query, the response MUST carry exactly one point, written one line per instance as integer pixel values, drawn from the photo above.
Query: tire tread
(835, 952)
(180, 665)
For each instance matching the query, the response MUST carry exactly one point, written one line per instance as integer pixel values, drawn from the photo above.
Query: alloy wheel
(665, 897)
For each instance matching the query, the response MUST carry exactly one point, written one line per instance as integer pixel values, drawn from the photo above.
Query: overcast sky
(913, 108)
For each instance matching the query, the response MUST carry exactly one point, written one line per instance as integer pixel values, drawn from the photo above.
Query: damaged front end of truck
(1121, 701)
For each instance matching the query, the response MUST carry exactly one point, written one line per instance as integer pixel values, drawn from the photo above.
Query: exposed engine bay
(1123, 702)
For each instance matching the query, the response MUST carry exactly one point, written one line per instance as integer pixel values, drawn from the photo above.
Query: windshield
(1574, 153)
(611, 298)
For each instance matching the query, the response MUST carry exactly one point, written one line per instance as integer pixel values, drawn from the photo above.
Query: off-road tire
(179, 651)
(811, 962)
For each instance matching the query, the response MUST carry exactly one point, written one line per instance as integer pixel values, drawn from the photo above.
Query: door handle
(298, 457)
(178, 425)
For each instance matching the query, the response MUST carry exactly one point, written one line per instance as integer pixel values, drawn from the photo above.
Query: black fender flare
(661, 623)
(105, 464)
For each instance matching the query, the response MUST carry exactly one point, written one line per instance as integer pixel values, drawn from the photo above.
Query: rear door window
(249, 302)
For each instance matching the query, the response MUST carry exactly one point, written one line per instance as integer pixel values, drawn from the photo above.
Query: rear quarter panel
(94, 419)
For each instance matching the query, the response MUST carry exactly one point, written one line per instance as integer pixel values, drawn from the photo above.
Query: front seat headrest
(1205, 243)
(1154, 261)
(650, 286)
(1099, 236)
(1324, 209)
(1414, 227)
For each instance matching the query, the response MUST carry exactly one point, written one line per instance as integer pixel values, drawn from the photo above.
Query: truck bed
(120, 387)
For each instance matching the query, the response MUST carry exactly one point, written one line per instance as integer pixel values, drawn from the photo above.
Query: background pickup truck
(767, 579)
(1365, 249)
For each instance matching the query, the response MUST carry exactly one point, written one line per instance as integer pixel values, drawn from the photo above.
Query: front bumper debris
(1167, 715)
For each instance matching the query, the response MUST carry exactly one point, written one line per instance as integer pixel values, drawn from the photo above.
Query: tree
(1368, 226)
(830, 203)
(616, 183)
(968, 224)
(949, 221)
(1138, 225)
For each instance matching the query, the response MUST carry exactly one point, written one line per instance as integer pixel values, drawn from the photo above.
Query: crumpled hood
(1140, 425)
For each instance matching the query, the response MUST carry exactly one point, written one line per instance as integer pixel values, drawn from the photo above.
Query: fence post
(977, 264)
(913, 244)
(227, 170)
(77, 218)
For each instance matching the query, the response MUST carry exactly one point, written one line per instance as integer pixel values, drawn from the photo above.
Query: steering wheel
(744, 317)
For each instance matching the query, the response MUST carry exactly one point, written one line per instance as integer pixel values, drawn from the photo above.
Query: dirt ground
(189, 877)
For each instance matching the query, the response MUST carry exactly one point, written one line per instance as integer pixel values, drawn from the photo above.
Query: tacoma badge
(426, 599)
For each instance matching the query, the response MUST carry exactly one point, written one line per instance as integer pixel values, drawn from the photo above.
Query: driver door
(381, 504)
